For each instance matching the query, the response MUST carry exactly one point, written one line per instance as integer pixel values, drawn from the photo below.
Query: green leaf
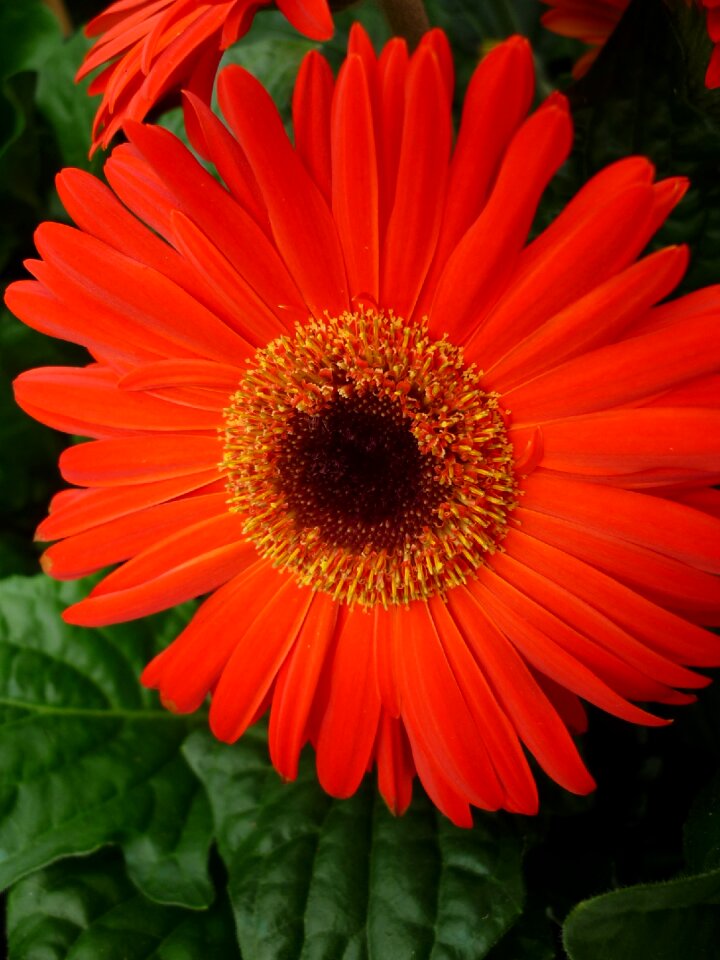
(29, 30)
(28, 33)
(87, 909)
(66, 105)
(273, 50)
(86, 758)
(662, 921)
(320, 879)
(45, 119)
(473, 28)
(167, 854)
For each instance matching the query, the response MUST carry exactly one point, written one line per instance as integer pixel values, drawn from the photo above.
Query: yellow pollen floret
(367, 460)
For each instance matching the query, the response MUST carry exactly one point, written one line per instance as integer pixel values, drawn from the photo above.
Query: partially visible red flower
(712, 10)
(439, 484)
(149, 48)
(592, 21)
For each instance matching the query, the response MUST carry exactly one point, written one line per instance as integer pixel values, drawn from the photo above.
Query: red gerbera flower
(441, 484)
(151, 47)
(592, 21)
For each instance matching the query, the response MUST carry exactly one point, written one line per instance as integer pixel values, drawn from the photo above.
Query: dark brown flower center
(354, 471)
(368, 460)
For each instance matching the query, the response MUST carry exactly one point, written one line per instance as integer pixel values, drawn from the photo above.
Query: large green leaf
(663, 921)
(320, 879)
(86, 759)
(87, 909)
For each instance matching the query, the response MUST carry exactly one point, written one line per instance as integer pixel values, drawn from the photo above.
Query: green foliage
(66, 105)
(273, 51)
(44, 119)
(319, 879)
(28, 473)
(28, 34)
(646, 95)
(87, 759)
(99, 763)
(87, 909)
(662, 921)
(272, 54)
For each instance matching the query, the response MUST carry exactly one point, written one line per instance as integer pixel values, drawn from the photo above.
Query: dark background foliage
(126, 832)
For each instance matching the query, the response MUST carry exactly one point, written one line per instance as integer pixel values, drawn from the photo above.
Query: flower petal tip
(74, 615)
(170, 705)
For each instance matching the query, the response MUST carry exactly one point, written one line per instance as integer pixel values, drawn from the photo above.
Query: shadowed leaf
(321, 879)
(86, 759)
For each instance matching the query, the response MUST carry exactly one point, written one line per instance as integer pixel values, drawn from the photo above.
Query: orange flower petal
(430, 701)
(296, 685)
(350, 722)
(355, 179)
(261, 647)
(125, 537)
(395, 764)
(304, 231)
(312, 98)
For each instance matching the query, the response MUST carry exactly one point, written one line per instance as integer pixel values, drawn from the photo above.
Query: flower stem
(61, 12)
(407, 18)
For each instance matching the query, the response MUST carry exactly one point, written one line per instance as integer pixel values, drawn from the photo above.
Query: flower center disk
(366, 459)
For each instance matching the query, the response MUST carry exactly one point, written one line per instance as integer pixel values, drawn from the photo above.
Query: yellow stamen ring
(367, 460)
